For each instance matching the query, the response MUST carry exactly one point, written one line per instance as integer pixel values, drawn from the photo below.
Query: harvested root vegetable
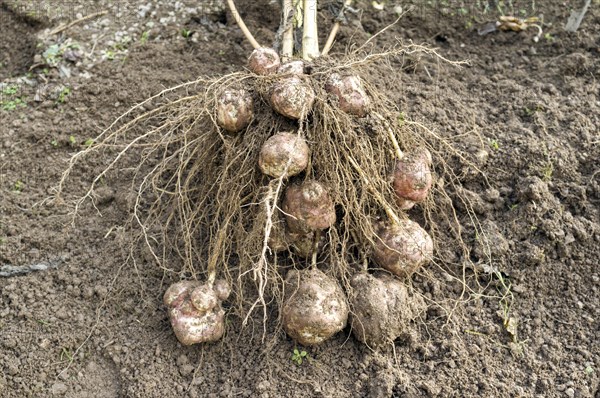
(381, 308)
(264, 61)
(235, 110)
(350, 94)
(315, 307)
(412, 178)
(195, 310)
(284, 155)
(295, 67)
(402, 248)
(308, 208)
(293, 97)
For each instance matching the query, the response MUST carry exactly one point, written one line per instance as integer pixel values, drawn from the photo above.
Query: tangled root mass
(204, 207)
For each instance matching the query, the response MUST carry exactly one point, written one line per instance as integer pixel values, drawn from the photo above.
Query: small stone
(570, 392)
(59, 389)
(491, 195)
(519, 289)
(263, 386)
(186, 370)
(101, 291)
(12, 369)
(182, 360)
(481, 156)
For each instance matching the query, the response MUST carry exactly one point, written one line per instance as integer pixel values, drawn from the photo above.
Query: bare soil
(93, 325)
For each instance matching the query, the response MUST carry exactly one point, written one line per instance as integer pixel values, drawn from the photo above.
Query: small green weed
(547, 171)
(494, 144)
(52, 55)
(110, 55)
(12, 104)
(18, 186)
(8, 101)
(66, 354)
(144, 38)
(63, 94)
(186, 34)
(10, 90)
(299, 356)
(72, 140)
(589, 370)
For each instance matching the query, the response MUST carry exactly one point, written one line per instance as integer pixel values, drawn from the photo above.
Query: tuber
(315, 307)
(264, 61)
(351, 97)
(292, 97)
(381, 308)
(412, 178)
(308, 207)
(235, 110)
(195, 310)
(284, 155)
(295, 67)
(402, 248)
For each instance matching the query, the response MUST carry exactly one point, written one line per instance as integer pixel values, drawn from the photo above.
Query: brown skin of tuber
(381, 308)
(351, 96)
(195, 311)
(308, 207)
(402, 249)
(235, 110)
(264, 61)
(412, 178)
(295, 67)
(315, 307)
(284, 154)
(292, 97)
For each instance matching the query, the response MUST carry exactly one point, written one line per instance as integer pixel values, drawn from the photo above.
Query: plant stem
(315, 248)
(241, 24)
(334, 30)
(391, 135)
(287, 43)
(310, 37)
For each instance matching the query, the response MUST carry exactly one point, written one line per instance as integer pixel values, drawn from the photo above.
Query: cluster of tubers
(316, 306)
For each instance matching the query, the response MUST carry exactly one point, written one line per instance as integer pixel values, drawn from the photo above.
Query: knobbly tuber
(315, 307)
(351, 96)
(235, 110)
(292, 97)
(295, 67)
(195, 310)
(402, 248)
(412, 178)
(284, 155)
(308, 207)
(381, 308)
(264, 61)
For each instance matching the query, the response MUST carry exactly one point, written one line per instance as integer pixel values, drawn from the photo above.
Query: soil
(89, 323)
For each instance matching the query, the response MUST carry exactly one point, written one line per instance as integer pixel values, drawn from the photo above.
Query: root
(203, 209)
